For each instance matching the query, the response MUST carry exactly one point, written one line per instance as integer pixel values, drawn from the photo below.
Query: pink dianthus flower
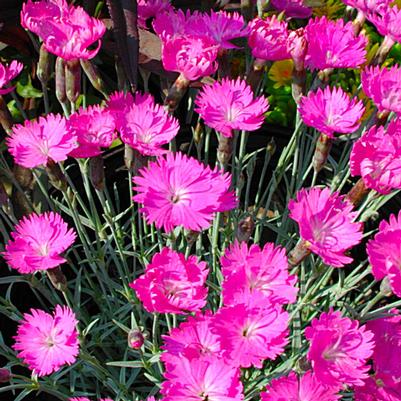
(251, 331)
(255, 269)
(383, 86)
(339, 349)
(376, 156)
(152, 8)
(268, 39)
(230, 105)
(384, 253)
(177, 190)
(387, 21)
(367, 6)
(37, 243)
(374, 389)
(47, 342)
(8, 73)
(36, 142)
(87, 399)
(174, 23)
(331, 110)
(294, 388)
(66, 30)
(94, 128)
(293, 8)
(172, 284)
(333, 44)
(326, 223)
(192, 56)
(209, 379)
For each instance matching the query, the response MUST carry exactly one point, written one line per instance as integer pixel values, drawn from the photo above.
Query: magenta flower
(333, 44)
(192, 56)
(385, 254)
(326, 223)
(383, 86)
(268, 38)
(87, 399)
(304, 388)
(367, 6)
(251, 331)
(47, 342)
(174, 23)
(36, 142)
(230, 105)
(146, 126)
(66, 30)
(152, 8)
(254, 269)
(172, 284)
(376, 157)
(339, 349)
(293, 8)
(177, 190)
(387, 21)
(374, 389)
(193, 339)
(37, 243)
(331, 110)
(202, 379)
(94, 128)
(7, 74)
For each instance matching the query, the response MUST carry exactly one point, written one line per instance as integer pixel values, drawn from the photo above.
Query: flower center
(43, 249)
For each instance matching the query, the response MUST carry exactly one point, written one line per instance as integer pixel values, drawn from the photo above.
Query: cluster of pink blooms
(66, 30)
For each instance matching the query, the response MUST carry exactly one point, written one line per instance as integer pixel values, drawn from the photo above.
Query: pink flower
(37, 243)
(67, 31)
(202, 379)
(174, 23)
(177, 190)
(376, 156)
(47, 342)
(192, 339)
(94, 128)
(268, 38)
(374, 389)
(326, 222)
(254, 269)
(383, 86)
(385, 254)
(8, 73)
(331, 110)
(251, 331)
(293, 8)
(87, 399)
(230, 105)
(294, 388)
(146, 126)
(192, 56)
(152, 8)
(172, 284)
(36, 142)
(367, 6)
(387, 21)
(333, 44)
(339, 349)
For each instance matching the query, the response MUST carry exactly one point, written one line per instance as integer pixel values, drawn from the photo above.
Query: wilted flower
(47, 342)
(177, 190)
(36, 142)
(252, 330)
(305, 388)
(326, 224)
(385, 253)
(376, 156)
(66, 30)
(339, 349)
(192, 56)
(255, 269)
(8, 73)
(331, 110)
(293, 8)
(202, 379)
(383, 86)
(230, 105)
(152, 8)
(333, 44)
(94, 128)
(37, 243)
(268, 38)
(172, 284)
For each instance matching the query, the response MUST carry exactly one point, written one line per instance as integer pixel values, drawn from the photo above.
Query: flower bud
(135, 339)
(5, 375)
(297, 46)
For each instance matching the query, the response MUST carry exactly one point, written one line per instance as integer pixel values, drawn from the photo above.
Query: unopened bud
(322, 150)
(385, 287)
(225, 150)
(44, 65)
(56, 176)
(73, 80)
(5, 375)
(93, 75)
(96, 166)
(57, 278)
(297, 46)
(60, 81)
(198, 132)
(135, 339)
(176, 93)
(245, 229)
